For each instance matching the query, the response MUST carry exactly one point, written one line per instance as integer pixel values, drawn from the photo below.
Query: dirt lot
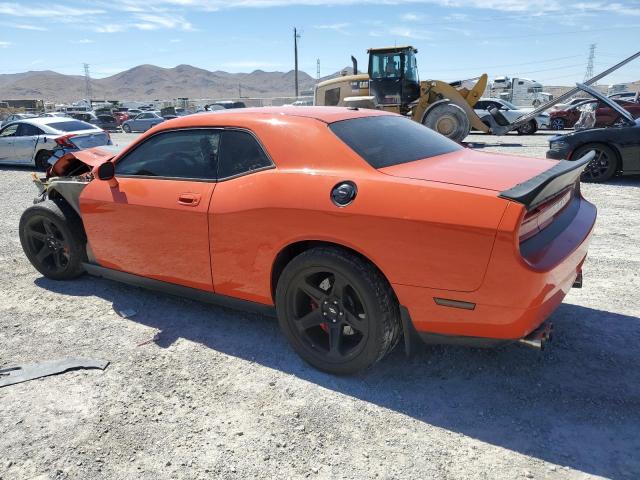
(219, 394)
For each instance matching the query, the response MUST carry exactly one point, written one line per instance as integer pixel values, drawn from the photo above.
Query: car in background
(617, 148)
(36, 141)
(142, 122)
(629, 96)
(16, 116)
(55, 115)
(106, 122)
(570, 103)
(605, 115)
(120, 116)
(511, 113)
(133, 112)
(328, 230)
(229, 104)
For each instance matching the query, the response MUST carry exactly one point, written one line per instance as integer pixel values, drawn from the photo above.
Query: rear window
(71, 126)
(391, 140)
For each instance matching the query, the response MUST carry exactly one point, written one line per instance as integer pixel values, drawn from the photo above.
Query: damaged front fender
(71, 173)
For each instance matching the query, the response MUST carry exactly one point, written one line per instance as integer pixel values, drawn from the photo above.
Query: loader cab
(393, 76)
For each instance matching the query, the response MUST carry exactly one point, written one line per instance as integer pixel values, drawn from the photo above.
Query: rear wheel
(557, 124)
(449, 120)
(52, 238)
(603, 167)
(42, 160)
(336, 310)
(126, 128)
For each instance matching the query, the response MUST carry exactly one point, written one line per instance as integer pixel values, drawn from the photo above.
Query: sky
(546, 40)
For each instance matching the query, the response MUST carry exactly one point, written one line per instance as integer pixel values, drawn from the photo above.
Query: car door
(154, 223)
(7, 136)
(25, 141)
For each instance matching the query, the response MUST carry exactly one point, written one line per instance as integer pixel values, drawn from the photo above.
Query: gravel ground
(196, 391)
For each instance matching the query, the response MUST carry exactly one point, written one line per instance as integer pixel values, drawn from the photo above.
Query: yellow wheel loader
(392, 84)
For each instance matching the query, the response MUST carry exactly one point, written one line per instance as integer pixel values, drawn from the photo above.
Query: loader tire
(449, 120)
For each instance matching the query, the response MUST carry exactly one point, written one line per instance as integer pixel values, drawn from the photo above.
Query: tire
(603, 167)
(352, 319)
(557, 124)
(528, 128)
(53, 239)
(449, 120)
(126, 128)
(41, 160)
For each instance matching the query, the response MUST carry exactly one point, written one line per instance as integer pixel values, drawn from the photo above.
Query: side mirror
(106, 171)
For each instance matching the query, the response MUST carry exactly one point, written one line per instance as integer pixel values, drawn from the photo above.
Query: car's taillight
(65, 141)
(543, 215)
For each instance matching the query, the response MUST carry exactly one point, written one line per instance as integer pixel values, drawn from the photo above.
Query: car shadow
(577, 404)
(17, 168)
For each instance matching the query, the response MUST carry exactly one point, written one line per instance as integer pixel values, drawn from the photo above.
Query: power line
(87, 82)
(592, 55)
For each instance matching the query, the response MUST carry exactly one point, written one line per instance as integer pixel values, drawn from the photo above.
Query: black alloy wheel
(337, 311)
(604, 165)
(53, 240)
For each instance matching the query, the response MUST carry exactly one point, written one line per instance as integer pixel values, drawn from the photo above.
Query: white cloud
(410, 17)
(82, 41)
(46, 10)
(406, 32)
(5, 44)
(110, 28)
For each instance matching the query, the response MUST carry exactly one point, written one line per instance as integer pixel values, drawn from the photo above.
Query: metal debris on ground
(19, 374)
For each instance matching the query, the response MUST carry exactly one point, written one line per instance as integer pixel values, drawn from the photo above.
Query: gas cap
(344, 193)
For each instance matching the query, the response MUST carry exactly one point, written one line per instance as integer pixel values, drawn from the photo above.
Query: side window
(178, 154)
(480, 105)
(9, 131)
(332, 97)
(26, 130)
(240, 153)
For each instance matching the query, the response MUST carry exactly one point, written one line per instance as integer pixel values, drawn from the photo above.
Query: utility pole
(296, 36)
(318, 69)
(592, 55)
(87, 82)
(239, 91)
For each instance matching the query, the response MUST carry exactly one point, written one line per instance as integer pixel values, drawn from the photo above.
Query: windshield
(385, 65)
(375, 139)
(509, 105)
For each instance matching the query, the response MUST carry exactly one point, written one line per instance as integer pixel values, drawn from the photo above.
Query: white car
(34, 141)
(512, 113)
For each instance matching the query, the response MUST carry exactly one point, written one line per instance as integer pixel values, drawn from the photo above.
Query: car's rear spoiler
(545, 185)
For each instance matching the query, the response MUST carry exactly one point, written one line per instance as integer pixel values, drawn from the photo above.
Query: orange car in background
(358, 226)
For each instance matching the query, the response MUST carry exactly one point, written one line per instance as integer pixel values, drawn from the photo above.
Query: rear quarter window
(387, 140)
(71, 126)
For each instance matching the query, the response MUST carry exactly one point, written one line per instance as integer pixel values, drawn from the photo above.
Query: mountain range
(149, 82)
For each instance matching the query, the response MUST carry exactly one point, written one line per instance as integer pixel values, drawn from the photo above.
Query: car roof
(322, 114)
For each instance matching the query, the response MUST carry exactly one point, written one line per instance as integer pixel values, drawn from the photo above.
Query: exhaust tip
(539, 337)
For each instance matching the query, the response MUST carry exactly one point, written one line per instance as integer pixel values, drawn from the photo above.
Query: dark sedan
(617, 148)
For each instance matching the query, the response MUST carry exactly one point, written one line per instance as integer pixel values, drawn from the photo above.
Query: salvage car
(617, 148)
(511, 113)
(35, 141)
(15, 117)
(142, 122)
(605, 114)
(320, 215)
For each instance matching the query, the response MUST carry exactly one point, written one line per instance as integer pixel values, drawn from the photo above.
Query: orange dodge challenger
(357, 227)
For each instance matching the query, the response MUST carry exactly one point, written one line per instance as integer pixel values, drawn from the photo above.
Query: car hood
(489, 171)
(92, 157)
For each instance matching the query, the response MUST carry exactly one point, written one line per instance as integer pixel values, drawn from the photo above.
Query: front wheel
(449, 120)
(337, 310)
(52, 238)
(557, 124)
(126, 128)
(603, 167)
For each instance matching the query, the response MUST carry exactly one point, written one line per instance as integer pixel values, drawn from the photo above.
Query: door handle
(189, 199)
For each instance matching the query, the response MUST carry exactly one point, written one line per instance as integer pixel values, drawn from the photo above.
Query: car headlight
(558, 146)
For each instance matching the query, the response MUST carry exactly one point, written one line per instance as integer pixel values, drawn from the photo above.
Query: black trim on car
(204, 180)
(545, 185)
(179, 290)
